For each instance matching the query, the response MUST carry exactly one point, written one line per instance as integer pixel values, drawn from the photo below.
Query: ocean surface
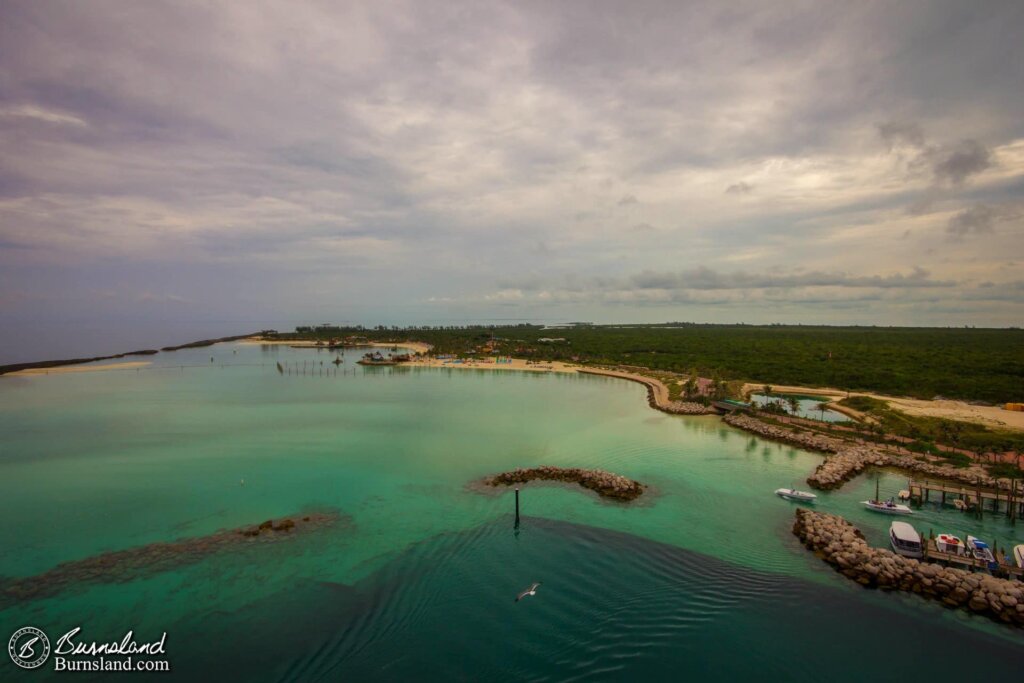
(416, 579)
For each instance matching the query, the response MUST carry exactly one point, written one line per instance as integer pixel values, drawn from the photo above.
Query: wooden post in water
(517, 507)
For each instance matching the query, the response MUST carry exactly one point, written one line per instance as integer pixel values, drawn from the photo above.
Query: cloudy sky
(855, 162)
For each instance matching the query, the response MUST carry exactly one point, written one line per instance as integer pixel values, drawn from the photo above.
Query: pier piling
(517, 507)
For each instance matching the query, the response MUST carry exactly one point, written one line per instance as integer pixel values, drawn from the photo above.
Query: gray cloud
(363, 151)
(707, 278)
(894, 133)
(975, 220)
(956, 163)
(739, 188)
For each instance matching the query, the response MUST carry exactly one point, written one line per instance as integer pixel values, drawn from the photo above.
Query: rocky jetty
(804, 439)
(848, 459)
(604, 483)
(842, 545)
(853, 459)
(684, 408)
(139, 562)
(657, 392)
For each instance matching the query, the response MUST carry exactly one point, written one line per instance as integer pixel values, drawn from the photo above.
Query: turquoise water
(703, 573)
(806, 407)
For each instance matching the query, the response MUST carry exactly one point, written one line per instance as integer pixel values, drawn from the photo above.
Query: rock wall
(604, 483)
(657, 393)
(842, 545)
(847, 460)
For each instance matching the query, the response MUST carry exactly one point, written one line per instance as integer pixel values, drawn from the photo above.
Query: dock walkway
(976, 497)
(971, 563)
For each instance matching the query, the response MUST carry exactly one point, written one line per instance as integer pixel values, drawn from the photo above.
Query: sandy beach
(515, 364)
(991, 416)
(64, 369)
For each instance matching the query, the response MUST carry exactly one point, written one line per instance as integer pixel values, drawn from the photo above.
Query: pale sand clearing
(990, 416)
(64, 369)
(516, 364)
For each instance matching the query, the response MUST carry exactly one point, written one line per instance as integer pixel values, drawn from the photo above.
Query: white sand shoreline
(66, 369)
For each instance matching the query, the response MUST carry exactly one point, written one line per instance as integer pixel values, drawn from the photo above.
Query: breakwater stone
(842, 545)
(846, 459)
(604, 483)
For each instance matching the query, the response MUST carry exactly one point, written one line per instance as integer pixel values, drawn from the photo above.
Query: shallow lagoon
(104, 461)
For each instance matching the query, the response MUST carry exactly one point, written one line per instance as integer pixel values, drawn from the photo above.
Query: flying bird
(532, 590)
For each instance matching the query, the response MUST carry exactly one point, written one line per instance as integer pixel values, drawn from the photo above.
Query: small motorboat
(960, 504)
(889, 507)
(794, 494)
(980, 550)
(904, 494)
(948, 543)
(1018, 555)
(905, 540)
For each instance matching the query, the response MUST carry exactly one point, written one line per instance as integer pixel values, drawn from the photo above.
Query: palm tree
(794, 405)
(823, 406)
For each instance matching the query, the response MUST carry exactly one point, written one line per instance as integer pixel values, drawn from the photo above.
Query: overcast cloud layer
(854, 162)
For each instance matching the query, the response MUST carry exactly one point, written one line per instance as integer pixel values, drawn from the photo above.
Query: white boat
(1018, 555)
(889, 507)
(948, 543)
(905, 540)
(960, 504)
(904, 494)
(980, 550)
(794, 494)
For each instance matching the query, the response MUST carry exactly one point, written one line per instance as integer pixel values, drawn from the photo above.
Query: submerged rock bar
(133, 563)
(842, 545)
(603, 483)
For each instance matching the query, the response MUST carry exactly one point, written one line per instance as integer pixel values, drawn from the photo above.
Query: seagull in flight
(532, 590)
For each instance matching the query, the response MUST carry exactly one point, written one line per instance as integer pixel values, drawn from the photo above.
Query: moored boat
(948, 543)
(905, 540)
(980, 550)
(794, 494)
(1018, 555)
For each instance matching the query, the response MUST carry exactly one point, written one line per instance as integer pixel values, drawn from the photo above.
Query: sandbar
(64, 369)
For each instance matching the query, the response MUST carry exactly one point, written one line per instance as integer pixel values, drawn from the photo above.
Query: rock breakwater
(605, 484)
(842, 545)
(846, 459)
(657, 393)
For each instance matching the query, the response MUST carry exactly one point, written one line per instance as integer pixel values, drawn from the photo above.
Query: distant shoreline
(48, 364)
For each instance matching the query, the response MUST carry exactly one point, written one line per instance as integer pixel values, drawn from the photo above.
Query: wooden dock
(968, 563)
(976, 498)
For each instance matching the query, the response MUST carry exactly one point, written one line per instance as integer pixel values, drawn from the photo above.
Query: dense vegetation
(927, 431)
(970, 364)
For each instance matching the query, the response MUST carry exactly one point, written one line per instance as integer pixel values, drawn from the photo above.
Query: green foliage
(972, 364)
(969, 435)
(1005, 469)
(957, 459)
